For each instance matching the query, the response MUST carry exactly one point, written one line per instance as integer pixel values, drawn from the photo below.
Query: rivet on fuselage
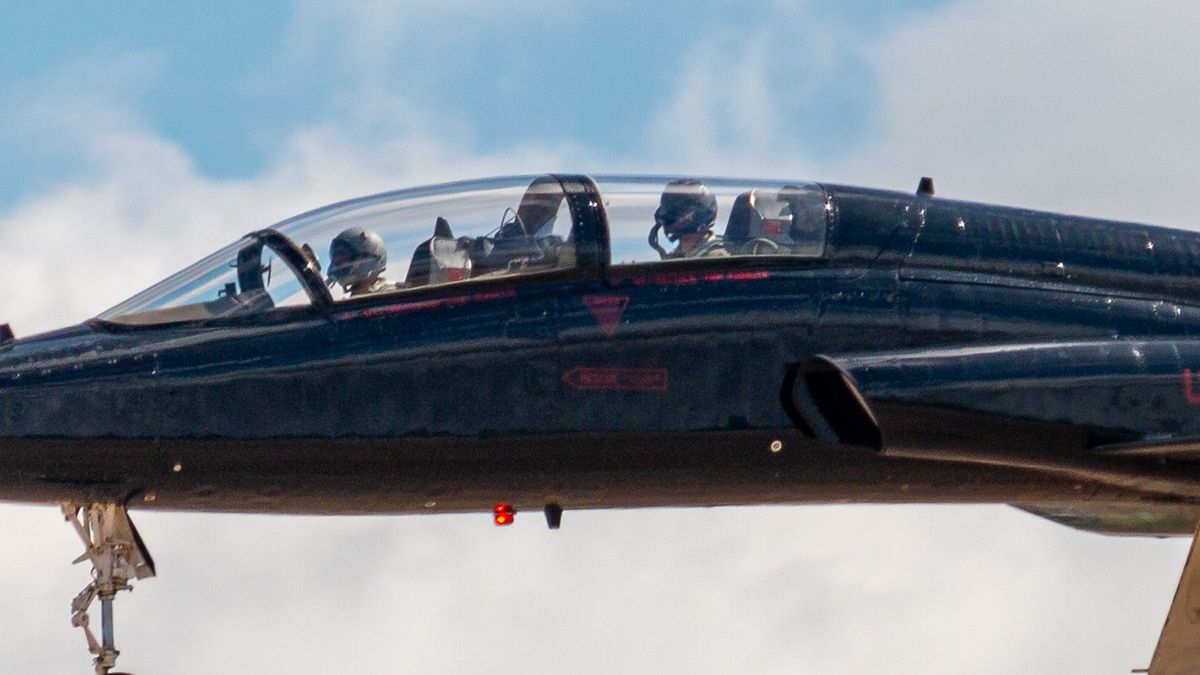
(177, 468)
(430, 504)
(776, 446)
(149, 497)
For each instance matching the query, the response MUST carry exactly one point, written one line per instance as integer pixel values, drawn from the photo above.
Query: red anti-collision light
(503, 514)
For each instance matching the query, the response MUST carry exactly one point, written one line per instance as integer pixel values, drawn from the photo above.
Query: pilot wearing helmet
(357, 259)
(687, 212)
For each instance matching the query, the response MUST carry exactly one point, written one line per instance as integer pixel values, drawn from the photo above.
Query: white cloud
(1080, 106)
(731, 109)
(368, 36)
(764, 590)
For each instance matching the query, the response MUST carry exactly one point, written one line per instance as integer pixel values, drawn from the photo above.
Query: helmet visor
(349, 272)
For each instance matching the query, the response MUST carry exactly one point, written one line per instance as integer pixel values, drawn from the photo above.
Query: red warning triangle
(607, 310)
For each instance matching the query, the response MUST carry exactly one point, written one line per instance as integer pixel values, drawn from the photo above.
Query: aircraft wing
(1136, 518)
(1178, 650)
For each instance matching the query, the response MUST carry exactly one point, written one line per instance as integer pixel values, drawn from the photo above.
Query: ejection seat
(439, 259)
(788, 222)
(525, 239)
(761, 223)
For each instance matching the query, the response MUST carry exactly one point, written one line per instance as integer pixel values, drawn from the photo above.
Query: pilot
(687, 212)
(357, 259)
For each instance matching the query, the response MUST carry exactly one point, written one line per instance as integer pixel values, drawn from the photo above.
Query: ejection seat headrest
(439, 259)
(540, 204)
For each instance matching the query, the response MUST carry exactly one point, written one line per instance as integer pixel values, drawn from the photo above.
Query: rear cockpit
(790, 221)
(701, 218)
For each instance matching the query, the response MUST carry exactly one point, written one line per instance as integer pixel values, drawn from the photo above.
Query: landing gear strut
(118, 557)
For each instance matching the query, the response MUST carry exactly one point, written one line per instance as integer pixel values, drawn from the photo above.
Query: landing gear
(118, 557)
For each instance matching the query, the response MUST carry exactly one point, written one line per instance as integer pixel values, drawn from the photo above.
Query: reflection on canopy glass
(385, 243)
(716, 217)
(479, 230)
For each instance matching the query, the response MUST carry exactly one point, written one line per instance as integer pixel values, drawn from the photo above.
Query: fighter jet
(562, 342)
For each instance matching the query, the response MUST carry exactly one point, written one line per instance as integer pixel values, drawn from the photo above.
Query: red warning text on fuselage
(584, 378)
(1191, 390)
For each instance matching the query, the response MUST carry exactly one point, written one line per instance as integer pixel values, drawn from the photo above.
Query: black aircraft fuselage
(936, 351)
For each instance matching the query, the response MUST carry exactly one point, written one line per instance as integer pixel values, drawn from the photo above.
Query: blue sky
(228, 82)
(137, 137)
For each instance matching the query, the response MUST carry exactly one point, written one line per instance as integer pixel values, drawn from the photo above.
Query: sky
(137, 137)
